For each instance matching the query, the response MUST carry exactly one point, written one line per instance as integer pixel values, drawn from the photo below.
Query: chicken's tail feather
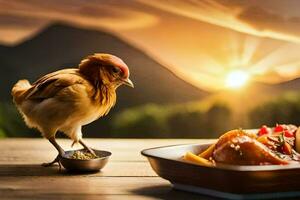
(19, 90)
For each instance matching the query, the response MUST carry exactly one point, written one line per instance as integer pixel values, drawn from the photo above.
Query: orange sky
(201, 40)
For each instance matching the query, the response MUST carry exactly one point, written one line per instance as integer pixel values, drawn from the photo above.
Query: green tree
(186, 123)
(141, 122)
(12, 124)
(285, 109)
(218, 119)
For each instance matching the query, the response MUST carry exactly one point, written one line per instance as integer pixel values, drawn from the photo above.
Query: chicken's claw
(50, 164)
(87, 147)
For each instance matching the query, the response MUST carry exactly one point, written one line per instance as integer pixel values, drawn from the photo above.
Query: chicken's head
(106, 69)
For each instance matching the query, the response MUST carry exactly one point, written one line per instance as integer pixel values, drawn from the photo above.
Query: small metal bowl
(77, 165)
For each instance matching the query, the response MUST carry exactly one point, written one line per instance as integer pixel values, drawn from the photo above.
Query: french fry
(208, 152)
(263, 139)
(196, 159)
(297, 140)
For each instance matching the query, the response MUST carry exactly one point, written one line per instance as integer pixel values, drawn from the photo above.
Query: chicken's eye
(116, 70)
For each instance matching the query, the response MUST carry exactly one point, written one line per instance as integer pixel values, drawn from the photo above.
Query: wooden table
(128, 175)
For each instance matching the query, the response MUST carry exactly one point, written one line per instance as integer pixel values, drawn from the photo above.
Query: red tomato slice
(287, 133)
(279, 128)
(263, 130)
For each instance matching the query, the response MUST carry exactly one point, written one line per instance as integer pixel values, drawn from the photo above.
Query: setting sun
(236, 79)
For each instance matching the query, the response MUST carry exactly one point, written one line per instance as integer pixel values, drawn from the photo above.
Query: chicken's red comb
(115, 61)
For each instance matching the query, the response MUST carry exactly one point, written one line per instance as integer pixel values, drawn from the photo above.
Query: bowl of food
(83, 161)
(241, 164)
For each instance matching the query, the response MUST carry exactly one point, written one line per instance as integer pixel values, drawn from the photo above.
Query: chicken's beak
(128, 82)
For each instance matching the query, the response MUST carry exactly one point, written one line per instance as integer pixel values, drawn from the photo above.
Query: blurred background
(200, 67)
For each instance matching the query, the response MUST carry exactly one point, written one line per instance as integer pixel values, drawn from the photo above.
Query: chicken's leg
(87, 147)
(61, 152)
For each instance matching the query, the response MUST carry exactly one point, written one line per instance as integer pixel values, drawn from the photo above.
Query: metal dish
(92, 165)
(225, 181)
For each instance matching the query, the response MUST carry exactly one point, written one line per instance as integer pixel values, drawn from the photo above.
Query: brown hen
(66, 100)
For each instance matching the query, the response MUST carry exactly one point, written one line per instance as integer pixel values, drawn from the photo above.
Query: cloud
(273, 76)
(270, 76)
(93, 14)
(242, 16)
(266, 21)
(8, 20)
(16, 28)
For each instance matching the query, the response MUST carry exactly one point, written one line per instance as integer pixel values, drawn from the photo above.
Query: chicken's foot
(56, 160)
(87, 147)
(61, 152)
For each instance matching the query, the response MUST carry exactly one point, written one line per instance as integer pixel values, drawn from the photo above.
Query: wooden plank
(79, 184)
(37, 151)
(37, 157)
(113, 169)
(149, 194)
(43, 144)
(102, 140)
(90, 188)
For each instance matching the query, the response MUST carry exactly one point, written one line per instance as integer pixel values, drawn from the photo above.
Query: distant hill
(255, 94)
(59, 46)
(290, 85)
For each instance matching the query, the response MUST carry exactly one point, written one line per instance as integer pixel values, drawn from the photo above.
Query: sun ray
(250, 46)
(290, 52)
